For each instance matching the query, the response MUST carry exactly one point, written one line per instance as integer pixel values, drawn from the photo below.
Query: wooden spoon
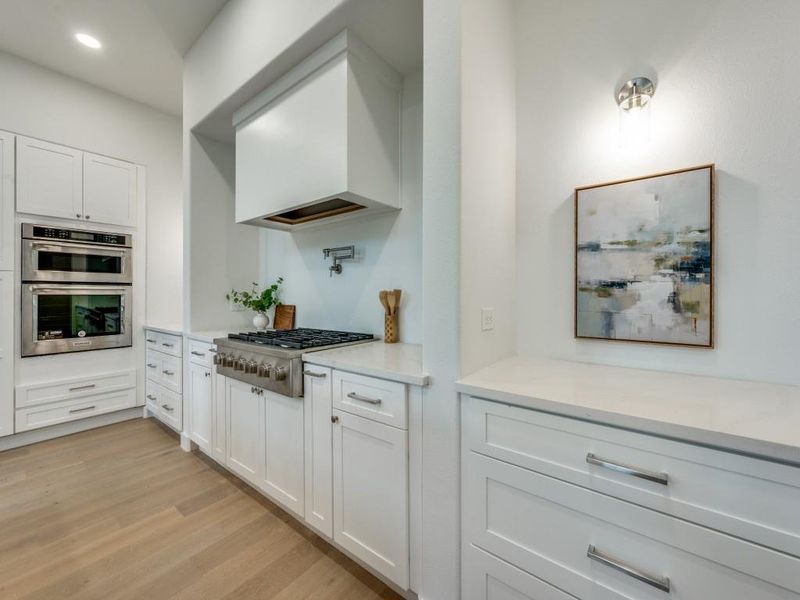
(397, 294)
(383, 295)
(392, 302)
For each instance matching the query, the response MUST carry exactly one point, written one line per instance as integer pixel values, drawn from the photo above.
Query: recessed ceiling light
(88, 40)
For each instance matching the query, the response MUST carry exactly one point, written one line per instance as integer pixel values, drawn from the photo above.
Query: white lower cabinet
(200, 390)
(525, 530)
(244, 417)
(318, 449)
(370, 494)
(219, 422)
(283, 477)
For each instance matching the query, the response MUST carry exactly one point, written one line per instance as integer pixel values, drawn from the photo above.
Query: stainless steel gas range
(272, 360)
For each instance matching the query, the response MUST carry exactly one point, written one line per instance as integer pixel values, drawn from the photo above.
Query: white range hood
(322, 143)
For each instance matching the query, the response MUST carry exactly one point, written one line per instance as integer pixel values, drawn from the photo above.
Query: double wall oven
(76, 290)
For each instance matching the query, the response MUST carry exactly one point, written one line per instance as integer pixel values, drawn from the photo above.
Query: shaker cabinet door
(109, 190)
(200, 408)
(283, 476)
(244, 418)
(319, 449)
(49, 179)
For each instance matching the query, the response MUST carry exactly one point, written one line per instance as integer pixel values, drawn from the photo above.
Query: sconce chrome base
(635, 93)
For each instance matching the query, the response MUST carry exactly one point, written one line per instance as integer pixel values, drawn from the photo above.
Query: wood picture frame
(618, 296)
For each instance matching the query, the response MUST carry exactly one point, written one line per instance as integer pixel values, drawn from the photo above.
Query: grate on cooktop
(300, 339)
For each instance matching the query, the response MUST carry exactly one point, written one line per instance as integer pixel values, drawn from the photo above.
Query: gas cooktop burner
(300, 339)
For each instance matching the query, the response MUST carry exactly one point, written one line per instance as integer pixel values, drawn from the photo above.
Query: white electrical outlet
(487, 319)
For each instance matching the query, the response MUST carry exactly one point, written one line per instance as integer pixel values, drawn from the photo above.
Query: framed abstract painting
(644, 259)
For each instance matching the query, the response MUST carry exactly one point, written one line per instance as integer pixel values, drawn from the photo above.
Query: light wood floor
(122, 513)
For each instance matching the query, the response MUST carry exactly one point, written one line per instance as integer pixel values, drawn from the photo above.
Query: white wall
(222, 254)
(388, 249)
(724, 95)
(488, 185)
(41, 103)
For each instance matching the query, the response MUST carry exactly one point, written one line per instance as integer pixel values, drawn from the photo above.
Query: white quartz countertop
(759, 419)
(396, 362)
(170, 329)
(208, 335)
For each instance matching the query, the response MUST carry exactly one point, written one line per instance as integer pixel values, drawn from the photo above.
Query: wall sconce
(634, 101)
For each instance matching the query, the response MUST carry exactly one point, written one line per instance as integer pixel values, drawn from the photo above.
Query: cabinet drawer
(750, 498)
(163, 342)
(164, 369)
(165, 404)
(34, 417)
(546, 527)
(486, 577)
(54, 391)
(201, 353)
(376, 399)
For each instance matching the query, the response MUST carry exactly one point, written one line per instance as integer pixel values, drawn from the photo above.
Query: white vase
(260, 321)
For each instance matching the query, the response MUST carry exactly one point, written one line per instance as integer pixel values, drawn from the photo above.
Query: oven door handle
(72, 287)
(78, 248)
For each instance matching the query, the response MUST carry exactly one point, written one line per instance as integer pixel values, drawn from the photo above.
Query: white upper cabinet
(58, 181)
(49, 179)
(322, 143)
(6, 201)
(109, 190)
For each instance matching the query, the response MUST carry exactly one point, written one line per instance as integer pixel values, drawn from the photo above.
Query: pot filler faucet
(338, 255)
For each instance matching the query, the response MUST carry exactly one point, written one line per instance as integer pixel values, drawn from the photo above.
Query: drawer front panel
(56, 391)
(164, 369)
(164, 342)
(34, 417)
(486, 577)
(372, 398)
(165, 404)
(546, 527)
(750, 498)
(201, 353)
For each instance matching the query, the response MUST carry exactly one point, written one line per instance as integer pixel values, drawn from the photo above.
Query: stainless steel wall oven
(76, 290)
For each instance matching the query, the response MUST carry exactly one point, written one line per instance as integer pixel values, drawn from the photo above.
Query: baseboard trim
(55, 431)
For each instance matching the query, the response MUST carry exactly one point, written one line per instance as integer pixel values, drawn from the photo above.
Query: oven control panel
(80, 236)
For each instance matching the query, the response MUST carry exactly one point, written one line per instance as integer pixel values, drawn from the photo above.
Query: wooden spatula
(383, 295)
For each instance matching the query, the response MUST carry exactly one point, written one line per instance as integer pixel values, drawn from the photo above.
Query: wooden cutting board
(284, 316)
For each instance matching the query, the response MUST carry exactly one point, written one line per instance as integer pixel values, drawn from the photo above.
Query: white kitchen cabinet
(200, 389)
(6, 353)
(370, 494)
(109, 190)
(318, 449)
(219, 435)
(6, 201)
(49, 179)
(283, 476)
(67, 183)
(163, 370)
(244, 416)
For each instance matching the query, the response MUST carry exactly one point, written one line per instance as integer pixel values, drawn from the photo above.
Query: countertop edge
(322, 361)
(762, 449)
(170, 330)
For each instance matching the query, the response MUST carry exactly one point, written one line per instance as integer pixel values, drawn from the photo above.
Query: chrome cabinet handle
(82, 387)
(167, 407)
(207, 374)
(151, 366)
(85, 408)
(196, 353)
(151, 397)
(166, 345)
(213, 350)
(313, 374)
(360, 398)
(661, 478)
(166, 372)
(149, 341)
(661, 583)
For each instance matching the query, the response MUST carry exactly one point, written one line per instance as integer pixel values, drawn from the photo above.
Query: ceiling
(143, 42)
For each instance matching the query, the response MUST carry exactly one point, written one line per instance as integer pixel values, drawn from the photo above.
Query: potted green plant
(259, 301)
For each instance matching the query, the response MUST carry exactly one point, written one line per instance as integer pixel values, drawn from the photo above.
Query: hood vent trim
(320, 210)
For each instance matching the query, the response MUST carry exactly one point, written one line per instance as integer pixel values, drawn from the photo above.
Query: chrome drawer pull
(82, 387)
(151, 397)
(196, 353)
(313, 374)
(661, 478)
(165, 407)
(661, 583)
(167, 372)
(166, 345)
(360, 398)
(85, 408)
(151, 366)
(149, 341)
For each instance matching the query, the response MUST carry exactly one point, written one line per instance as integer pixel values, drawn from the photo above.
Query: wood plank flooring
(122, 513)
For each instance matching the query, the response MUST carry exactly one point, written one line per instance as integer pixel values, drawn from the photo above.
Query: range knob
(250, 367)
(279, 373)
(219, 358)
(229, 361)
(264, 370)
(240, 364)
